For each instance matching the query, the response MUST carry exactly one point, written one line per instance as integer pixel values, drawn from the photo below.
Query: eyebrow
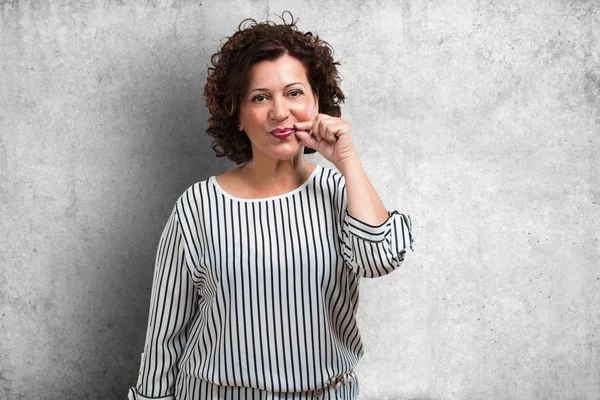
(266, 90)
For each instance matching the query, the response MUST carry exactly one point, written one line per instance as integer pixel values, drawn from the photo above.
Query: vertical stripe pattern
(262, 294)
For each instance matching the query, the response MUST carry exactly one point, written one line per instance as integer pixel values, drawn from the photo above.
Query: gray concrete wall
(479, 118)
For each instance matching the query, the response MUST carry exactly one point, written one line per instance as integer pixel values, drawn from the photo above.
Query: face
(278, 96)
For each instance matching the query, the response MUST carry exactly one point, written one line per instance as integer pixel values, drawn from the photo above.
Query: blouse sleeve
(376, 250)
(172, 304)
(372, 250)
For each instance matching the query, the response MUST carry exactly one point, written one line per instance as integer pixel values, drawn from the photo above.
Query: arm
(364, 203)
(332, 137)
(172, 304)
(372, 250)
(374, 241)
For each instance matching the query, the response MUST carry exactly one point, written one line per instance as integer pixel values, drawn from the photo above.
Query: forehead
(279, 72)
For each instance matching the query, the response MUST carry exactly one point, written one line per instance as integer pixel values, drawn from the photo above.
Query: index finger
(304, 125)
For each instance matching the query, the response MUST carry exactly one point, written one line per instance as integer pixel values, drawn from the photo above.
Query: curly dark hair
(252, 43)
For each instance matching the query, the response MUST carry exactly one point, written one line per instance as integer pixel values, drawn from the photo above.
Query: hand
(331, 137)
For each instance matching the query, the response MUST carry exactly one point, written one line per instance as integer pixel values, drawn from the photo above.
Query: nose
(279, 110)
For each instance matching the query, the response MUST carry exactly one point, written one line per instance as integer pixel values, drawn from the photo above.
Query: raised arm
(364, 203)
(374, 241)
(332, 138)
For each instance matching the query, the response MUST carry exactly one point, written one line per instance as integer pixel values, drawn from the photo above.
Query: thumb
(307, 139)
(303, 126)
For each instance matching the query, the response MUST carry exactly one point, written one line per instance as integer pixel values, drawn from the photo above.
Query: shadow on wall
(170, 153)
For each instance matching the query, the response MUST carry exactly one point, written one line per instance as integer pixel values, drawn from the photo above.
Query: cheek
(312, 110)
(250, 117)
(305, 111)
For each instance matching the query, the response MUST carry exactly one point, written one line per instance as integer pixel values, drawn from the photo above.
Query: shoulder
(330, 184)
(194, 195)
(330, 177)
(191, 207)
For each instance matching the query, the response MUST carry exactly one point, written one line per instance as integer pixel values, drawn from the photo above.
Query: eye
(295, 93)
(259, 98)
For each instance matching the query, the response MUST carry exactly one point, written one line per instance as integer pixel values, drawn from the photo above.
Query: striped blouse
(263, 293)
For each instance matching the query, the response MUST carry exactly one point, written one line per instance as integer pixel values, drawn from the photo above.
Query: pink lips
(282, 133)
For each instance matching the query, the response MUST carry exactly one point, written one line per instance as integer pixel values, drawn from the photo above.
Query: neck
(276, 176)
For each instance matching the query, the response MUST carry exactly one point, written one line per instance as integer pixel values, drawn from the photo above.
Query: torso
(277, 300)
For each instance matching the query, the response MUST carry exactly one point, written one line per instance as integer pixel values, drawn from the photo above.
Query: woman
(256, 279)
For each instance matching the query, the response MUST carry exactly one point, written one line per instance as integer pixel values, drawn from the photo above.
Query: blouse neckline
(213, 180)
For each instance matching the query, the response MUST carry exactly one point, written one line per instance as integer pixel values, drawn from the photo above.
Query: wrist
(349, 164)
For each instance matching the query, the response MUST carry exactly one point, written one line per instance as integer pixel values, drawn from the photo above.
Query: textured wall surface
(479, 118)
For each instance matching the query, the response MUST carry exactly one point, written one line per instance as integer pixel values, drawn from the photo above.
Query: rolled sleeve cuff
(373, 233)
(134, 395)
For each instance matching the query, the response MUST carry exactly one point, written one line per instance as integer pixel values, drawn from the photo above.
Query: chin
(288, 154)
